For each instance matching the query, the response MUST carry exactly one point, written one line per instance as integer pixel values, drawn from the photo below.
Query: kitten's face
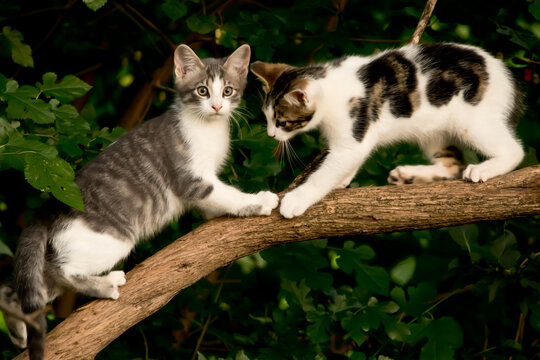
(287, 106)
(211, 88)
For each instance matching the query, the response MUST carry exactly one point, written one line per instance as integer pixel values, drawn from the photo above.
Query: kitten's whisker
(295, 159)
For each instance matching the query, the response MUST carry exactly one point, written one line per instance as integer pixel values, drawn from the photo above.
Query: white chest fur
(208, 142)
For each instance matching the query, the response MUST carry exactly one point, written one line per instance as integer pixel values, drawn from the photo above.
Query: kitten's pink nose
(217, 107)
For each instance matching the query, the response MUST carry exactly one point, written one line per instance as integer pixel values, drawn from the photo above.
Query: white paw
(400, 175)
(293, 204)
(116, 279)
(268, 201)
(476, 173)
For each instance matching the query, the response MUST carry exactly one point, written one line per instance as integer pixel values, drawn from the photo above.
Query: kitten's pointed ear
(297, 97)
(268, 73)
(238, 61)
(185, 61)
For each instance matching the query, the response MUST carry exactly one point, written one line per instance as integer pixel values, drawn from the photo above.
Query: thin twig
(424, 19)
(166, 88)
(486, 340)
(151, 25)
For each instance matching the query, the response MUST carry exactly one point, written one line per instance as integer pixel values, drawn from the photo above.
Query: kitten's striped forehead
(214, 76)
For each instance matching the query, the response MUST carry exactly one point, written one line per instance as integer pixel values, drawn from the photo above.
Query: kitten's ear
(268, 73)
(185, 61)
(297, 97)
(238, 61)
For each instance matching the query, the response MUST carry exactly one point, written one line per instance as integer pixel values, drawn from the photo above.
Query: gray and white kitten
(135, 187)
(440, 96)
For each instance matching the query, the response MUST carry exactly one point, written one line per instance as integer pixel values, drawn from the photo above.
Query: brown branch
(424, 19)
(359, 211)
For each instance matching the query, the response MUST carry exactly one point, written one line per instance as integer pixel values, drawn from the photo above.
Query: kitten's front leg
(333, 173)
(226, 199)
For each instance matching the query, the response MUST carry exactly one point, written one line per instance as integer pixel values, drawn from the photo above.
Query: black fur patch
(290, 77)
(390, 77)
(452, 69)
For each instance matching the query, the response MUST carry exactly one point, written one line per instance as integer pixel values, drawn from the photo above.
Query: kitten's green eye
(227, 91)
(280, 123)
(202, 90)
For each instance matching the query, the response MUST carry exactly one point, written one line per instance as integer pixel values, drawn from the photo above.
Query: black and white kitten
(441, 96)
(135, 187)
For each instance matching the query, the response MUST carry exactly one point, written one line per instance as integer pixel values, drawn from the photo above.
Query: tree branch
(424, 19)
(360, 211)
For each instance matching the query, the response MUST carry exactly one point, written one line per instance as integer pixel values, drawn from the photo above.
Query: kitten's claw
(268, 201)
(475, 174)
(400, 176)
(293, 205)
(116, 279)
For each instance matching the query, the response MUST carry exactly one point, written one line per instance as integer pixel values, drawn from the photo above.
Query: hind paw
(116, 279)
(400, 176)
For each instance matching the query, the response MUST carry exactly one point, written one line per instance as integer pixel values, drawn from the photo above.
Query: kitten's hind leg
(105, 286)
(16, 327)
(501, 147)
(447, 163)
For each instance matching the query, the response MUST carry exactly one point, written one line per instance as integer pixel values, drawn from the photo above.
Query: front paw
(293, 204)
(268, 201)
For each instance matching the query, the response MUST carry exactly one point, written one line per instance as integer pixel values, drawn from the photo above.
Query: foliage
(470, 292)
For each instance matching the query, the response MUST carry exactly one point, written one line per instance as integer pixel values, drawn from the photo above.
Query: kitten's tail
(30, 283)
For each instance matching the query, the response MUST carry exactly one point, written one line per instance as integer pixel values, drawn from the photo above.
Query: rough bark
(359, 211)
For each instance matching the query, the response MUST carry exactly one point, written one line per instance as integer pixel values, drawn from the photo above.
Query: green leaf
(69, 88)
(444, 337)
(7, 127)
(396, 330)
(5, 250)
(318, 332)
(503, 249)
(358, 356)
(403, 271)
(3, 326)
(12, 154)
(464, 235)
(360, 323)
(174, 9)
(20, 52)
(95, 4)
(355, 325)
(349, 256)
(22, 103)
(241, 355)
(299, 291)
(373, 278)
(534, 9)
(201, 24)
(419, 298)
(55, 176)
(64, 112)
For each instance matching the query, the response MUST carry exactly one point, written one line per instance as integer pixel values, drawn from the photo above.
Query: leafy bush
(470, 292)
